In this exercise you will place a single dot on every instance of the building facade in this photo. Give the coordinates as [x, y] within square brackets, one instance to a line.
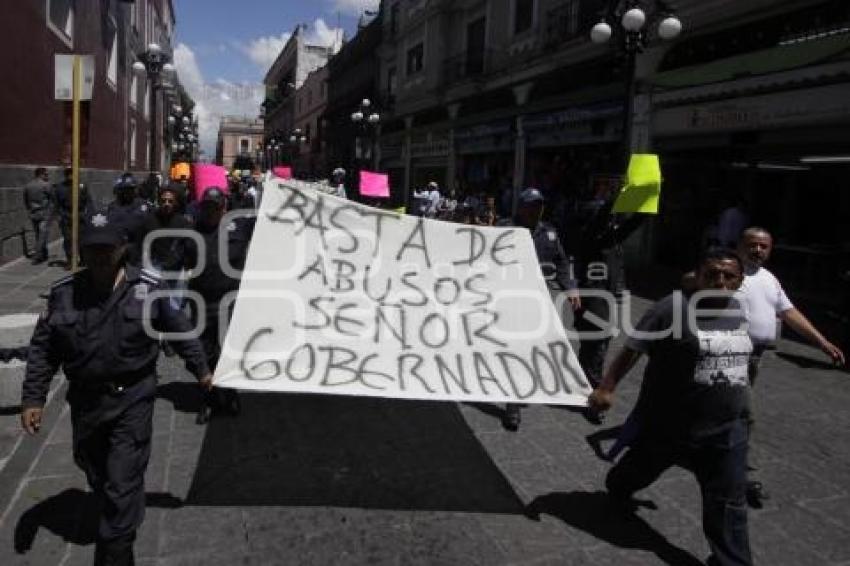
[311, 100]
[115, 128]
[353, 76]
[240, 143]
[286, 76]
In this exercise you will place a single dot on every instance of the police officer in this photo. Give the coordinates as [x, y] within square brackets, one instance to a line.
[213, 284]
[598, 250]
[93, 328]
[553, 262]
[130, 212]
[63, 197]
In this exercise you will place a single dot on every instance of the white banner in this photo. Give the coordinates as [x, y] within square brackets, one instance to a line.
[346, 299]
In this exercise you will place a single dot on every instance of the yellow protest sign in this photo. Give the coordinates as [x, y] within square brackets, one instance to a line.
[643, 186]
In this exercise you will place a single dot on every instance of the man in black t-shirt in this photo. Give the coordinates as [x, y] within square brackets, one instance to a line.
[694, 402]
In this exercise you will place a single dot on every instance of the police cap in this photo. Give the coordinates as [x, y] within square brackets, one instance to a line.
[214, 195]
[100, 231]
[531, 196]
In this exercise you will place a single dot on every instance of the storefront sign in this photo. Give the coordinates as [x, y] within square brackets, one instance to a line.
[787, 109]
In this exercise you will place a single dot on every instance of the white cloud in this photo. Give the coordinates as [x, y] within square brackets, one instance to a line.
[215, 99]
[355, 7]
[322, 34]
[264, 50]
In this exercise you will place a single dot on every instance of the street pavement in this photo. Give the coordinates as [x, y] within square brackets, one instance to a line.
[332, 480]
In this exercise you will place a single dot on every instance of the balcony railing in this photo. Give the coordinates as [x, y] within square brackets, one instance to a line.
[565, 23]
[468, 65]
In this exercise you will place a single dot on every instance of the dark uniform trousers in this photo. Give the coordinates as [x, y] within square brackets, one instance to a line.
[719, 464]
[592, 351]
[112, 445]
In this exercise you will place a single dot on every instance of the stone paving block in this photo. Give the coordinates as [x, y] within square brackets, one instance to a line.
[822, 538]
[57, 460]
[520, 538]
[189, 529]
[506, 446]
[834, 510]
[788, 484]
[772, 545]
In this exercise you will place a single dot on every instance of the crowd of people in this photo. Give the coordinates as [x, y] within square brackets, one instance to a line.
[693, 409]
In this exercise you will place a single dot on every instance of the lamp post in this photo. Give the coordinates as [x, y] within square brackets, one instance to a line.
[184, 134]
[153, 63]
[631, 32]
[296, 139]
[366, 120]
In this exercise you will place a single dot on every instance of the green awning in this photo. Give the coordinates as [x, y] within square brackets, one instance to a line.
[763, 62]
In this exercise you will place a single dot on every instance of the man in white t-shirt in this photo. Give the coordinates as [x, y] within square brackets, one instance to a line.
[434, 199]
[764, 300]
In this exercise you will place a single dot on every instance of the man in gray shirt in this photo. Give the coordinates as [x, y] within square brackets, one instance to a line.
[37, 202]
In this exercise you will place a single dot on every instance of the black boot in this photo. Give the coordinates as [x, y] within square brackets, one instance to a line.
[512, 417]
[115, 552]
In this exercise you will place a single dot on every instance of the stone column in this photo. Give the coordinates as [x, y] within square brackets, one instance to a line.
[521, 94]
[451, 158]
[408, 142]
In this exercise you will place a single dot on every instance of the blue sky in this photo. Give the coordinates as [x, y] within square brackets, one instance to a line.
[223, 49]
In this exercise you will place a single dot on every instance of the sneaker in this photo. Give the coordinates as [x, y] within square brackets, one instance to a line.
[756, 494]
[511, 418]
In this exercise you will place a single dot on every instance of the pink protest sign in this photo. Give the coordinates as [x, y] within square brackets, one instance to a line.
[374, 184]
[205, 175]
[284, 172]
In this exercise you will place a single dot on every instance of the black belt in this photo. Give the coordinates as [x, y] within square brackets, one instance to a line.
[114, 386]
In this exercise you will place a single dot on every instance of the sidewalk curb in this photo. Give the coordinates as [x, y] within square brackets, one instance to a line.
[27, 451]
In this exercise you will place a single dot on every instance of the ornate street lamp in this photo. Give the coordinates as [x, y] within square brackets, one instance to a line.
[155, 64]
[631, 27]
[366, 121]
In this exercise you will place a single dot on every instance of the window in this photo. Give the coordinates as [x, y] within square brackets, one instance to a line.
[523, 15]
[415, 59]
[132, 143]
[134, 16]
[394, 13]
[392, 82]
[244, 146]
[112, 64]
[322, 90]
[134, 92]
[476, 37]
[147, 100]
[60, 18]
[310, 98]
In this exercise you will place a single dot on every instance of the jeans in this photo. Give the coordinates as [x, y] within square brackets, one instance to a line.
[41, 228]
[65, 228]
[719, 464]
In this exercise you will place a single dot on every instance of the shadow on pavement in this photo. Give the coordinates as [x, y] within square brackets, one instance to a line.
[73, 516]
[489, 409]
[320, 450]
[9, 410]
[806, 362]
[595, 514]
[185, 396]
